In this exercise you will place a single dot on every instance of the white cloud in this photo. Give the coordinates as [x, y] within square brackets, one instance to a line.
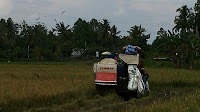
[119, 12]
[33, 16]
[68, 3]
[153, 6]
[6, 6]
[120, 7]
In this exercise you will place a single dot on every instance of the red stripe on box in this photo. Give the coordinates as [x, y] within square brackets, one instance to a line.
[106, 76]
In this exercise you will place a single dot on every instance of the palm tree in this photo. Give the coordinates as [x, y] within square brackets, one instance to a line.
[184, 20]
[138, 36]
[3, 30]
[27, 34]
[10, 34]
[104, 33]
[114, 37]
[64, 32]
[197, 17]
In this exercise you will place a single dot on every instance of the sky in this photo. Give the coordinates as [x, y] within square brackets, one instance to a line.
[150, 14]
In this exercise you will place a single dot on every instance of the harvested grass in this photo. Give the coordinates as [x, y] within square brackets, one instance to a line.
[70, 87]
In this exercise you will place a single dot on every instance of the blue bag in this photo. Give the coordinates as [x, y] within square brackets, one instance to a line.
[130, 50]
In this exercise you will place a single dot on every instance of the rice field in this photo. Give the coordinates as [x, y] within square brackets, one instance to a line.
[69, 87]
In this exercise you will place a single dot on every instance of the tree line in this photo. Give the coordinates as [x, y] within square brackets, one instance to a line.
[182, 43]
[23, 42]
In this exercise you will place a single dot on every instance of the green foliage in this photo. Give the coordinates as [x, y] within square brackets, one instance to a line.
[66, 48]
[36, 43]
[184, 21]
[158, 64]
[182, 43]
[138, 37]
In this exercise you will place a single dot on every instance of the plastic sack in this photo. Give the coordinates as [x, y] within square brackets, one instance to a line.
[135, 79]
[141, 85]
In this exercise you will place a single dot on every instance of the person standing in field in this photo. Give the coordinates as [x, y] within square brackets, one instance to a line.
[129, 49]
